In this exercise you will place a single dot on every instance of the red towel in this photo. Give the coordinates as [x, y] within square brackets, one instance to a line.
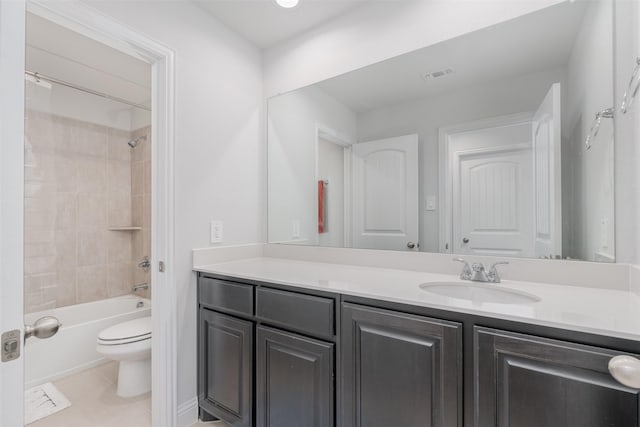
[321, 202]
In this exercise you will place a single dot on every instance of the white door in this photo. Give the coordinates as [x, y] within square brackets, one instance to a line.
[548, 176]
[492, 187]
[493, 205]
[385, 193]
[12, 45]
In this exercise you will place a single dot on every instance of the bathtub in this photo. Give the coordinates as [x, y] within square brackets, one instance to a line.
[73, 348]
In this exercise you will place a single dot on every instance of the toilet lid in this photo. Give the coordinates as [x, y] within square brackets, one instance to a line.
[136, 329]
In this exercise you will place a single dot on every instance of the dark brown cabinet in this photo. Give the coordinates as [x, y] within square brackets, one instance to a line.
[400, 369]
[274, 356]
[527, 381]
[295, 380]
[225, 360]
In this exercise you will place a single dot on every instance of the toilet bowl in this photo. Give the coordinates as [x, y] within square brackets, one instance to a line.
[129, 343]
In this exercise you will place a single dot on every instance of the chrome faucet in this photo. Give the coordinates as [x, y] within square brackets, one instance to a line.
[477, 273]
[140, 286]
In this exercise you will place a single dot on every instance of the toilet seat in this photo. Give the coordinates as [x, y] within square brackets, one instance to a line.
[128, 332]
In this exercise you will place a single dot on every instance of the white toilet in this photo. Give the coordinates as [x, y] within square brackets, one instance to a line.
[130, 344]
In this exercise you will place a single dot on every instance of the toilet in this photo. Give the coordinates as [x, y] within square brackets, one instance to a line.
[129, 343]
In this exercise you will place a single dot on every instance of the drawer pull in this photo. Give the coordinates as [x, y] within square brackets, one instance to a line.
[626, 370]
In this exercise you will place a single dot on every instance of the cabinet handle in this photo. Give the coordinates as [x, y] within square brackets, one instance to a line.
[626, 370]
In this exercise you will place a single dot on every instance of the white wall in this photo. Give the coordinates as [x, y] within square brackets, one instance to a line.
[627, 131]
[426, 116]
[589, 190]
[219, 166]
[377, 31]
[292, 128]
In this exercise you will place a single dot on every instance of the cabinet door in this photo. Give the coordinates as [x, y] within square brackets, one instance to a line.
[225, 374]
[526, 381]
[295, 380]
[400, 370]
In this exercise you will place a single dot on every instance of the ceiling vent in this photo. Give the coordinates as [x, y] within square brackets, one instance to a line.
[437, 74]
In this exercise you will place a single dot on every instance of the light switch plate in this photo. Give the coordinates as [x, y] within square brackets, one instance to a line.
[295, 232]
[217, 231]
[431, 203]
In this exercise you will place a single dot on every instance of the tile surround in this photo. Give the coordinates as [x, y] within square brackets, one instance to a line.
[79, 180]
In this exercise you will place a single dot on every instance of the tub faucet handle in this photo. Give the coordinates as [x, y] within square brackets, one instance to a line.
[145, 264]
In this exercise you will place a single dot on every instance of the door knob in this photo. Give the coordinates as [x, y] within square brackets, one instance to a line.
[465, 240]
[411, 245]
[626, 370]
[45, 327]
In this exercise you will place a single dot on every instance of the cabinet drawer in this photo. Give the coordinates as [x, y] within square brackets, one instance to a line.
[225, 296]
[305, 313]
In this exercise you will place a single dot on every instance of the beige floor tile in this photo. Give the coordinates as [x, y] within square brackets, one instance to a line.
[109, 371]
[95, 404]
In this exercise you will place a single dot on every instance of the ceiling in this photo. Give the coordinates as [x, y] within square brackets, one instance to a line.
[264, 23]
[56, 51]
[535, 42]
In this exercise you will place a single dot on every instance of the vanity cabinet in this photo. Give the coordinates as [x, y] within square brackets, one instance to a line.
[281, 356]
[527, 381]
[225, 362]
[400, 369]
[266, 355]
[295, 380]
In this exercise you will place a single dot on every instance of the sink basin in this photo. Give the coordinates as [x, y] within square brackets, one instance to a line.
[485, 293]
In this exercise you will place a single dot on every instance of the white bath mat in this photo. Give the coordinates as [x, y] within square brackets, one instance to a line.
[43, 400]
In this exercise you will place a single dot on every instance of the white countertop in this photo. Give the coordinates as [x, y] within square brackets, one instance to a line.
[599, 311]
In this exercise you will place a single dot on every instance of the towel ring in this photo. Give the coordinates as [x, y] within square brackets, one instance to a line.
[632, 89]
[595, 126]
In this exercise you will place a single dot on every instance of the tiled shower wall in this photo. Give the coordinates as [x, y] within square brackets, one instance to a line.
[78, 184]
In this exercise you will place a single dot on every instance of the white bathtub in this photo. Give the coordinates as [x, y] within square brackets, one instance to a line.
[73, 348]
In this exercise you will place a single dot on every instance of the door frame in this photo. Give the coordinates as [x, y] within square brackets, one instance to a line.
[91, 23]
[446, 168]
[12, 54]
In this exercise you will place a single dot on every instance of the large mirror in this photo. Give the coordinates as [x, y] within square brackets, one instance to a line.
[499, 142]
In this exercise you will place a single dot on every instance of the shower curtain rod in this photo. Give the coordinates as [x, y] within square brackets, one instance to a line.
[39, 76]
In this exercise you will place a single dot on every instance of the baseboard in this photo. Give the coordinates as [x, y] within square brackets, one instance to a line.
[188, 413]
[66, 373]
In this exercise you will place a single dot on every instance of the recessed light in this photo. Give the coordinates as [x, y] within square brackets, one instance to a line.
[287, 4]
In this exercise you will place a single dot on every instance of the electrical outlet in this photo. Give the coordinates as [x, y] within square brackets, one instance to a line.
[295, 234]
[217, 230]
[431, 203]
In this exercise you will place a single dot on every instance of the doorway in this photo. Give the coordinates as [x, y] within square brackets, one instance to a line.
[104, 170]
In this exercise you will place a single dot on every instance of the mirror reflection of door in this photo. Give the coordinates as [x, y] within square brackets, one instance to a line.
[548, 175]
[505, 183]
[492, 191]
[385, 189]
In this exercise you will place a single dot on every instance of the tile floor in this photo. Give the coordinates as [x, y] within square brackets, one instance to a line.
[94, 402]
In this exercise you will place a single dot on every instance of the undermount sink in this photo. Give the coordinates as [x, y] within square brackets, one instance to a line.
[486, 293]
